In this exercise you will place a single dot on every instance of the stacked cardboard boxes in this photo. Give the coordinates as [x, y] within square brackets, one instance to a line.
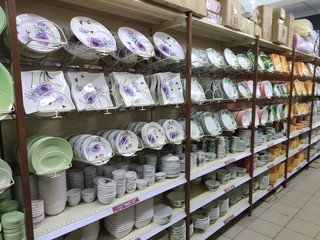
[231, 13]
[279, 30]
[213, 12]
[266, 14]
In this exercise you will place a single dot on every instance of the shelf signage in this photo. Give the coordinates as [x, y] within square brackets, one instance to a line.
[229, 161]
[270, 188]
[298, 168]
[229, 219]
[125, 205]
[271, 165]
[229, 188]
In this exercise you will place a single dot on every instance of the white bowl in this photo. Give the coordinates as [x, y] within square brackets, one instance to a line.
[161, 176]
[74, 192]
[176, 198]
[74, 201]
[162, 213]
[142, 184]
[55, 209]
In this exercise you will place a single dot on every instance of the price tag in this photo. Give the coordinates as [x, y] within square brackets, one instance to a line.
[270, 188]
[125, 205]
[229, 188]
[301, 132]
[270, 166]
[229, 219]
[138, 238]
[229, 161]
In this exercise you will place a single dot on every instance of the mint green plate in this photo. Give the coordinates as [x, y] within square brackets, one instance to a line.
[3, 20]
[8, 206]
[12, 219]
[5, 178]
[6, 86]
[52, 161]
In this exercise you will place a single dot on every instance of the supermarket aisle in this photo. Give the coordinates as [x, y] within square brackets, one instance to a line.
[294, 215]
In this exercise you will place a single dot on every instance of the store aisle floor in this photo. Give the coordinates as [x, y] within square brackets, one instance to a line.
[294, 215]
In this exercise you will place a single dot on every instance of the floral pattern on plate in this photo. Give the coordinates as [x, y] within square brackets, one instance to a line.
[168, 46]
[243, 90]
[230, 58]
[89, 90]
[173, 130]
[133, 89]
[210, 124]
[95, 148]
[197, 93]
[171, 88]
[127, 143]
[45, 91]
[227, 120]
[153, 135]
[136, 42]
[229, 88]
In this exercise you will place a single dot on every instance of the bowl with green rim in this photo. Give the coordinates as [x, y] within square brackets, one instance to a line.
[6, 87]
[8, 206]
[17, 229]
[6, 175]
[58, 155]
[176, 198]
[11, 220]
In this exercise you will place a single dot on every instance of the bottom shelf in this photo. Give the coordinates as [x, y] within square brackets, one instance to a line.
[261, 193]
[233, 211]
[301, 165]
[148, 231]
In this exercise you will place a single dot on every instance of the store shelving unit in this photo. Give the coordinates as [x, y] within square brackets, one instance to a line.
[150, 17]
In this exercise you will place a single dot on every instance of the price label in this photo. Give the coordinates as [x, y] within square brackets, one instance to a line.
[301, 132]
[270, 145]
[270, 166]
[138, 238]
[270, 188]
[229, 161]
[229, 188]
[229, 219]
[125, 205]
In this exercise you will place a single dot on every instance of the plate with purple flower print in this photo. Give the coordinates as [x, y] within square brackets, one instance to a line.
[95, 148]
[174, 131]
[168, 46]
[122, 54]
[127, 143]
[93, 34]
[89, 91]
[153, 135]
[45, 91]
[136, 42]
[170, 88]
[31, 26]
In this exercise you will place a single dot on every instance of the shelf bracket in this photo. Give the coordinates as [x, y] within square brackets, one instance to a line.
[239, 43]
[165, 25]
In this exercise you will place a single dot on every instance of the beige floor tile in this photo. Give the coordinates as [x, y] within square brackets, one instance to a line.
[303, 227]
[308, 217]
[317, 193]
[275, 217]
[266, 205]
[267, 228]
[315, 199]
[295, 193]
[287, 234]
[291, 201]
[215, 237]
[284, 209]
[257, 211]
[318, 236]
[233, 231]
[246, 220]
[252, 235]
[307, 186]
[312, 207]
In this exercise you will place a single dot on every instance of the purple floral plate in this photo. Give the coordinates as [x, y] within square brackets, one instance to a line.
[168, 46]
[153, 135]
[95, 148]
[174, 131]
[127, 143]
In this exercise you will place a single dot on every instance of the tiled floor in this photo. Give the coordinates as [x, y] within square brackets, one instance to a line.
[294, 215]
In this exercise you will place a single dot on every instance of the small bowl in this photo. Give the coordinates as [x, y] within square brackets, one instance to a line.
[212, 185]
[88, 195]
[74, 201]
[176, 198]
[142, 184]
[162, 213]
[241, 171]
[73, 192]
[160, 176]
[211, 156]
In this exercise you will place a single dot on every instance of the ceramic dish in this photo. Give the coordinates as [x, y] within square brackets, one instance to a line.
[229, 88]
[227, 120]
[3, 20]
[243, 90]
[6, 175]
[7, 92]
[170, 88]
[168, 46]
[266, 61]
[250, 55]
[197, 93]
[153, 135]
[210, 124]
[231, 58]
[174, 131]
[244, 62]
[127, 143]
[214, 58]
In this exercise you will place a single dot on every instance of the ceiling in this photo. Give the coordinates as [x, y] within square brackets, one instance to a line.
[300, 8]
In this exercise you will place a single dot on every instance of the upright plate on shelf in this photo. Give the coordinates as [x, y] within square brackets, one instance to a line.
[231, 58]
[95, 148]
[6, 87]
[3, 20]
[153, 135]
[168, 46]
[5, 178]
[136, 42]
[244, 91]
[173, 130]
[197, 93]
[229, 88]
[250, 55]
[244, 62]
[93, 34]
[214, 57]
[227, 120]
[170, 88]
[210, 124]
[127, 143]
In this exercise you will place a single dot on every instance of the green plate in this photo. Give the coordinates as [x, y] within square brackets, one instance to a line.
[30, 150]
[8, 206]
[52, 161]
[12, 219]
[227, 120]
[6, 86]
[5, 178]
[243, 90]
[3, 20]
[6, 195]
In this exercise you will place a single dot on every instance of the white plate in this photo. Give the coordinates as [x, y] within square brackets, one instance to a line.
[174, 131]
[127, 143]
[171, 88]
[168, 46]
[214, 57]
[153, 135]
[95, 148]
[231, 58]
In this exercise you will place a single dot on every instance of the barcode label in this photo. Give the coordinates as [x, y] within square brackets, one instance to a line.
[125, 205]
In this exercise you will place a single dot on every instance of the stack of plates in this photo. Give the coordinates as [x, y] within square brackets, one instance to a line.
[149, 172]
[5, 196]
[5, 176]
[201, 220]
[173, 130]
[37, 212]
[108, 169]
[54, 193]
[8, 206]
[89, 174]
[91, 231]
[106, 190]
[13, 225]
[171, 165]
[153, 135]
[119, 176]
[120, 223]
[178, 231]
[143, 213]
[17, 187]
[76, 178]
[163, 235]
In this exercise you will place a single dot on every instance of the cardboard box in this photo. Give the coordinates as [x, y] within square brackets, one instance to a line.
[231, 13]
[279, 33]
[175, 4]
[288, 22]
[247, 26]
[199, 8]
[267, 33]
[265, 14]
[257, 30]
[279, 13]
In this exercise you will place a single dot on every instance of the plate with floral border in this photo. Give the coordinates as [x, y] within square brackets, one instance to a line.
[153, 135]
[229, 88]
[174, 131]
[171, 88]
[210, 124]
[168, 46]
[127, 143]
[244, 91]
[227, 120]
[136, 42]
[96, 148]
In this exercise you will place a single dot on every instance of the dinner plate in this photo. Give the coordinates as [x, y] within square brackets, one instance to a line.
[210, 124]
[173, 130]
[231, 58]
[227, 120]
[5, 178]
[197, 93]
[127, 143]
[243, 90]
[153, 135]
[168, 46]
[229, 88]
[214, 57]
[6, 87]
[244, 62]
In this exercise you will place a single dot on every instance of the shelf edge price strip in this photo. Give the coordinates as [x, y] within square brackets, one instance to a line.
[229, 161]
[229, 188]
[228, 219]
[270, 166]
[125, 205]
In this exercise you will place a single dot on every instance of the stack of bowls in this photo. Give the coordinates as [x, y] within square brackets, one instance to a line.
[6, 195]
[151, 159]
[162, 213]
[120, 223]
[176, 198]
[142, 184]
[91, 231]
[108, 169]
[201, 220]
[106, 190]
[163, 235]
[76, 178]
[171, 165]
[17, 187]
[119, 176]
[89, 174]
[178, 230]
[8, 206]
[13, 225]
[74, 196]
[131, 181]
[37, 212]
[149, 172]
[89, 195]
[143, 213]
[54, 193]
[213, 209]
[95, 181]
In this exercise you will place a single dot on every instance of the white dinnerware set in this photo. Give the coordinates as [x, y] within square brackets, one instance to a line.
[37, 212]
[106, 190]
[143, 213]
[17, 189]
[119, 176]
[90, 231]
